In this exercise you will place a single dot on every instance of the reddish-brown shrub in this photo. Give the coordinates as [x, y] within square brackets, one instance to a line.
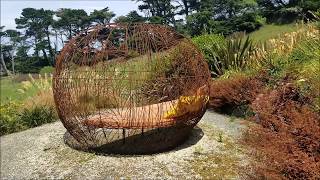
[287, 135]
[234, 91]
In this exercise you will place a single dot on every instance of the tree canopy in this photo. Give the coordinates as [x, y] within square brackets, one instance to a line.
[41, 33]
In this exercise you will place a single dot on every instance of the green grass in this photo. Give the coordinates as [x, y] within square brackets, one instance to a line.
[9, 90]
[269, 31]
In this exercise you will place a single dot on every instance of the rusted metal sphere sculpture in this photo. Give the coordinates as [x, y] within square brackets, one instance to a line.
[129, 88]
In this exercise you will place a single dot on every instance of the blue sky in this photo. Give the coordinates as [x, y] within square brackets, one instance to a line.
[11, 9]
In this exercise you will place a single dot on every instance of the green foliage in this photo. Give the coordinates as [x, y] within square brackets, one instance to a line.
[248, 22]
[236, 53]
[162, 12]
[283, 11]
[223, 55]
[131, 17]
[309, 49]
[9, 118]
[189, 17]
[101, 16]
[209, 46]
[30, 64]
[71, 20]
[157, 20]
[306, 58]
[224, 17]
[34, 96]
[36, 23]
[200, 23]
[46, 70]
[37, 116]
[300, 65]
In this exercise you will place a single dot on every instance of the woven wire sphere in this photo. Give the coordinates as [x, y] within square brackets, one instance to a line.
[129, 88]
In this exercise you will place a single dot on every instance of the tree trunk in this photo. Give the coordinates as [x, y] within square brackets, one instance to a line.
[12, 63]
[3, 64]
[70, 32]
[186, 7]
[45, 54]
[36, 45]
[50, 48]
[61, 38]
[55, 47]
[56, 42]
[151, 9]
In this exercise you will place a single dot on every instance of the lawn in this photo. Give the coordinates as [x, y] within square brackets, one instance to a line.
[272, 31]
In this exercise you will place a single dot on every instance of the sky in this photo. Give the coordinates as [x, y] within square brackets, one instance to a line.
[11, 9]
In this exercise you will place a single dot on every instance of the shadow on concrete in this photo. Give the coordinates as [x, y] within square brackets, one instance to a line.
[148, 142]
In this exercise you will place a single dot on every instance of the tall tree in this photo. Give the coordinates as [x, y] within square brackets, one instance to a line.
[285, 11]
[102, 16]
[13, 41]
[37, 23]
[159, 9]
[200, 23]
[72, 21]
[186, 7]
[224, 16]
[3, 66]
[131, 17]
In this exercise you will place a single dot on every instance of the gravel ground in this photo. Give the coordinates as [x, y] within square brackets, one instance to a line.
[210, 153]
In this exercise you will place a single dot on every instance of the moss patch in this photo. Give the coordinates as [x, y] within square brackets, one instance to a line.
[218, 165]
[71, 156]
[224, 162]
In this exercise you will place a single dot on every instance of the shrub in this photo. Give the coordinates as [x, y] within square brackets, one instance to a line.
[306, 57]
[203, 22]
[287, 135]
[234, 93]
[30, 64]
[301, 67]
[225, 54]
[9, 121]
[309, 82]
[209, 45]
[248, 22]
[283, 101]
[37, 115]
[237, 52]
[46, 70]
